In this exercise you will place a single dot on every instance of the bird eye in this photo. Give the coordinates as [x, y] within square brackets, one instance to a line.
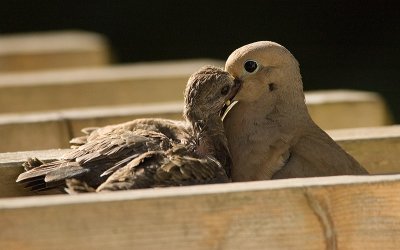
[225, 90]
[250, 66]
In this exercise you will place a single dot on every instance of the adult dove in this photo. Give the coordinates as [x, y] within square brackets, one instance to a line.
[270, 132]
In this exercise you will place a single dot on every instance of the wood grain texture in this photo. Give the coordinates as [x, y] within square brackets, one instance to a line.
[357, 212]
[33, 132]
[335, 109]
[15, 129]
[375, 148]
[94, 87]
[103, 116]
[52, 50]
[55, 129]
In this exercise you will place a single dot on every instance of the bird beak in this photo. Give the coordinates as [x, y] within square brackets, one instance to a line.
[229, 103]
[234, 90]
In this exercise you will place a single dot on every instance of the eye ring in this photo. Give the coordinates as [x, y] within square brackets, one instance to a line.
[225, 90]
[250, 66]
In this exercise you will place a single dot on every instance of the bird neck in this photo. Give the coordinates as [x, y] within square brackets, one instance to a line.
[211, 139]
[291, 109]
[287, 106]
[280, 112]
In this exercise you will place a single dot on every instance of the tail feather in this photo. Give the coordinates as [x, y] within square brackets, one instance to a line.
[65, 172]
[38, 187]
[42, 176]
[28, 180]
[33, 173]
[34, 183]
[50, 170]
[42, 186]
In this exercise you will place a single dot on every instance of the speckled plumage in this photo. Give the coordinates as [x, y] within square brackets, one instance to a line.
[148, 152]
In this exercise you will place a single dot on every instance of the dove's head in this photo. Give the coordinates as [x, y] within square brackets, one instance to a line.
[269, 74]
[208, 91]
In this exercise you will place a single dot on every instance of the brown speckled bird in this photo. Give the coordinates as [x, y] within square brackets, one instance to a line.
[270, 133]
[149, 152]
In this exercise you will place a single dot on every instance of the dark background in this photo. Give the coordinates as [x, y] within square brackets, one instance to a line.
[339, 44]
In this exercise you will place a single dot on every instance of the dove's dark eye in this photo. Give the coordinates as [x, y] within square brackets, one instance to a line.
[250, 66]
[225, 90]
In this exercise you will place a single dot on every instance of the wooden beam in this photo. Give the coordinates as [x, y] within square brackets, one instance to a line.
[55, 129]
[99, 117]
[15, 129]
[335, 109]
[114, 85]
[51, 50]
[375, 148]
[346, 212]
[33, 132]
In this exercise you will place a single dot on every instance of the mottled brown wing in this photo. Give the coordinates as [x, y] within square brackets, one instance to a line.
[175, 130]
[182, 170]
[89, 161]
[175, 167]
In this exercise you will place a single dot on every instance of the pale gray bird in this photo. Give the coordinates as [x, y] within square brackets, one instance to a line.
[150, 152]
[269, 130]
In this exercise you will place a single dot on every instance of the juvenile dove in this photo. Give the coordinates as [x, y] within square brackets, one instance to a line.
[270, 133]
[150, 152]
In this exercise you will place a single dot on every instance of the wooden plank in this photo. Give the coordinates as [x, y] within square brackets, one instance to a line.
[16, 128]
[358, 212]
[375, 148]
[33, 132]
[334, 109]
[99, 117]
[55, 129]
[51, 50]
[114, 85]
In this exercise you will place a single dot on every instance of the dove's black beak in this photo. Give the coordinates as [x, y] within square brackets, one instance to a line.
[229, 103]
[235, 89]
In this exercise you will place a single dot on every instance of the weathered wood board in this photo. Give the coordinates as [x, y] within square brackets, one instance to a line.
[45, 130]
[53, 129]
[102, 86]
[334, 109]
[346, 212]
[377, 149]
[52, 50]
